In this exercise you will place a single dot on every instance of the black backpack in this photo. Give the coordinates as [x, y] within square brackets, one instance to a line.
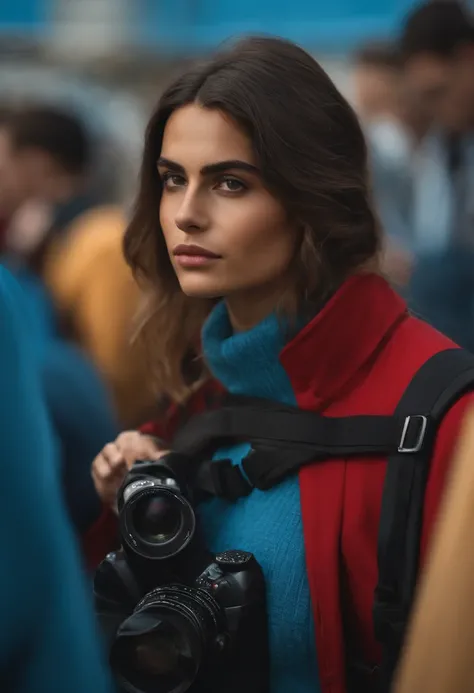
[285, 438]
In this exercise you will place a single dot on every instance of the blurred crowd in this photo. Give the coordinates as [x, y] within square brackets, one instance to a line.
[61, 232]
[62, 238]
[416, 100]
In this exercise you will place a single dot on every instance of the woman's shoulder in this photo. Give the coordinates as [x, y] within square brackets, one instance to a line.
[380, 383]
[411, 347]
[413, 343]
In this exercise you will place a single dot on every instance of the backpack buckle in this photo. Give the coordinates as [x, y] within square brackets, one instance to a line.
[418, 435]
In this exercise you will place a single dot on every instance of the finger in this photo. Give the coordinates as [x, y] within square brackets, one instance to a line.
[151, 449]
[113, 455]
[141, 448]
[118, 474]
[101, 468]
[105, 472]
[131, 456]
[127, 439]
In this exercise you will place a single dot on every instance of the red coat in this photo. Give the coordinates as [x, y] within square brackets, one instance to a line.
[356, 357]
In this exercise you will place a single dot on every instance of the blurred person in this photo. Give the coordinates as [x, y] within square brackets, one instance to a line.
[394, 125]
[47, 636]
[80, 408]
[253, 227]
[437, 44]
[377, 80]
[9, 197]
[45, 156]
[383, 95]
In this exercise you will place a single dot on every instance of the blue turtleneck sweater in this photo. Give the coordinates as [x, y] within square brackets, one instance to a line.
[267, 523]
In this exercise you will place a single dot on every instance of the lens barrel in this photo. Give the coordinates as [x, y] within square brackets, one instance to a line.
[160, 647]
[156, 520]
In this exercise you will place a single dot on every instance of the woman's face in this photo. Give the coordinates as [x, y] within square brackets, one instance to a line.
[226, 235]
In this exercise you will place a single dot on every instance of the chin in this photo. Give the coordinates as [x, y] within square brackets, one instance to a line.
[199, 287]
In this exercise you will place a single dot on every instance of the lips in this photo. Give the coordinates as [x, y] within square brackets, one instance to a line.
[193, 251]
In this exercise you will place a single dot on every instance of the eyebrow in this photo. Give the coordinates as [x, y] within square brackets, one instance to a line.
[209, 169]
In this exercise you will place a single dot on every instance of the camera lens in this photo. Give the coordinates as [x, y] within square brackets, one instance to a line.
[161, 645]
[158, 654]
[156, 522]
[156, 519]
[166, 658]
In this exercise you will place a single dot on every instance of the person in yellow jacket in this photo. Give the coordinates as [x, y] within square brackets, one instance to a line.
[93, 288]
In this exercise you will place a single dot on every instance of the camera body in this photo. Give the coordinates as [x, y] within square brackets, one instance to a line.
[175, 616]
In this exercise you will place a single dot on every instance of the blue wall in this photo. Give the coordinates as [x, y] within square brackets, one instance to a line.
[25, 16]
[189, 26]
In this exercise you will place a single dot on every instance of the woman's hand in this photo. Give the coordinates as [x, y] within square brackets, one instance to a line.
[111, 465]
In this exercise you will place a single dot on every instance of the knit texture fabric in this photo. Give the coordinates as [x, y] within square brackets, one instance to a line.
[266, 523]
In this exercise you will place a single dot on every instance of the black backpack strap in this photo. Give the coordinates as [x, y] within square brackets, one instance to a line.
[292, 427]
[283, 439]
[438, 384]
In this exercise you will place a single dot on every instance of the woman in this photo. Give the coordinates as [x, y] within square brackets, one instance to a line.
[253, 226]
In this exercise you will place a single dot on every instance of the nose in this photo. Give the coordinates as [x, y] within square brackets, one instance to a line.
[192, 216]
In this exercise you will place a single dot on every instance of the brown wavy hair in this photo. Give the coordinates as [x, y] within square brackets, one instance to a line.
[313, 158]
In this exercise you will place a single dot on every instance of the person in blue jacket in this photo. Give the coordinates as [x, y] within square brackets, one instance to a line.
[79, 406]
[48, 638]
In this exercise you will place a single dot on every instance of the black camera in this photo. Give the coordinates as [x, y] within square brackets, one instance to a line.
[175, 616]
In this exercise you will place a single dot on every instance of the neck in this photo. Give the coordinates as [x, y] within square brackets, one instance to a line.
[248, 308]
[247, 362]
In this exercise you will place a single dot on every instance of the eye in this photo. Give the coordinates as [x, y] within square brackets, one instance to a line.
[172, 180]
[231, 185]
